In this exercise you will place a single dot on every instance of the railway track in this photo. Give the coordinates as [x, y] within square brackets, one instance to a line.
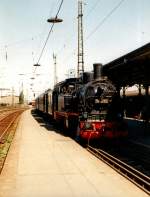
[140, 152]
[135, 155]
[135, 176]
[6, 120]
[8, 124]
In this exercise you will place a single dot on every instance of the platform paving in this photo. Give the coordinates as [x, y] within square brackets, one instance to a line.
[43, 163]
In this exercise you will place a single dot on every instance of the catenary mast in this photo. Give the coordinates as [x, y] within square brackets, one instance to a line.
[80, 68]
[55, 69]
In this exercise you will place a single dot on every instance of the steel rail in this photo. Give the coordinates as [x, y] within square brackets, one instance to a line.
[135, 176]
[7, 121]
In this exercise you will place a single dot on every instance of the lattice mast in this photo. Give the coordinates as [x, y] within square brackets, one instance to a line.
[55, 69]
[80, 68]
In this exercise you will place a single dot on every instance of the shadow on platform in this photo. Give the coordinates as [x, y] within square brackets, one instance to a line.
[47, 122]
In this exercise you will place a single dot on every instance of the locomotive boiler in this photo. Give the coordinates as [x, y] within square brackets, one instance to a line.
[89, 107]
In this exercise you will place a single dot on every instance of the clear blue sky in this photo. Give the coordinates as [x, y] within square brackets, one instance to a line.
[24, 30]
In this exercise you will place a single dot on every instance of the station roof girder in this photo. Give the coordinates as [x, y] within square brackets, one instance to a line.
[132, 68]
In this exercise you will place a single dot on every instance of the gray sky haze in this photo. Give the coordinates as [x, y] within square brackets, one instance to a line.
[112, 28]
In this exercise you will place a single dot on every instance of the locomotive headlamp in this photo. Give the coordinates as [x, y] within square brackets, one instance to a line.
[85, 115]
[88, 125]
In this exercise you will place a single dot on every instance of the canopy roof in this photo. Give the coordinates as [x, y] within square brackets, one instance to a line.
[132, 68]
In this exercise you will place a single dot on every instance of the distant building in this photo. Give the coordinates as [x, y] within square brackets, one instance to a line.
[9, 100]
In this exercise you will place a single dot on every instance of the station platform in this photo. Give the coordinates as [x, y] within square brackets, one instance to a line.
[44, 163]
[139, 132]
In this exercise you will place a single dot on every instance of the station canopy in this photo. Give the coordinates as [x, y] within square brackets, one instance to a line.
[132, 68]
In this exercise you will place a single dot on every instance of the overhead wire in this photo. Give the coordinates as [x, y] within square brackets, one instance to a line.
[92, 8]
[105, 18]
[49, 33]
[88, 14]
[52, 7]
[68, 42]
[99, 25]
[44, 29]
[2, 48]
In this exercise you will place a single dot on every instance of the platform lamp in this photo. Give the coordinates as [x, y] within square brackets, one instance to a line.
[54, 20]
[37, 65]
[50, 20]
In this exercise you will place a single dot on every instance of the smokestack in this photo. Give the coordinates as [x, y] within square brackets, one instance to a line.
[97, 67]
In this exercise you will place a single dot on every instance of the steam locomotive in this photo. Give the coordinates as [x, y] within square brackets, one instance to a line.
[88, 108]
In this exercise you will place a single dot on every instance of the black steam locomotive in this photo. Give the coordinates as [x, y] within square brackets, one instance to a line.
[87, 107]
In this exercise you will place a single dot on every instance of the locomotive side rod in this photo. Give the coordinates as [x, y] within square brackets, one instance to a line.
[136, 177]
